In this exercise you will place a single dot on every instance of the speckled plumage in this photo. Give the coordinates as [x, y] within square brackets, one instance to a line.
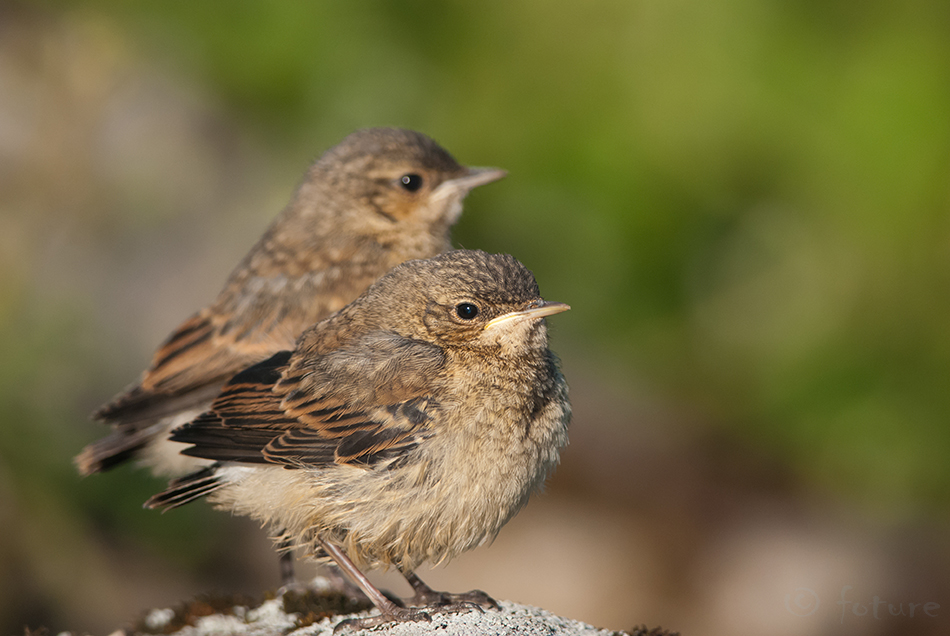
[397, 429]
[349, 222]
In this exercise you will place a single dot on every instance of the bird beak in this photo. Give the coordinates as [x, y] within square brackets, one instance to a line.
[472, 178]
[539, 309]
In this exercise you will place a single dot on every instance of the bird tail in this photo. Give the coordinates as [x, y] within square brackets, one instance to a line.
[111, 451]
[188, 488]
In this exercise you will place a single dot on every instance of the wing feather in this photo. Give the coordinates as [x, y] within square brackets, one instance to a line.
[359, 405]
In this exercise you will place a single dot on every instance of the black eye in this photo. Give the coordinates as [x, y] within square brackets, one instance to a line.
[466, 311]
[411, 182]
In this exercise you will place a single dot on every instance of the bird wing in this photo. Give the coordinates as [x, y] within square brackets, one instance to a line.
[186, 373]
[254, 317]
[188, 370]
[260, 312]
[359, 404]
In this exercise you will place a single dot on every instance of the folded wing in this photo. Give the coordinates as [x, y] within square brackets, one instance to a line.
[359, 404]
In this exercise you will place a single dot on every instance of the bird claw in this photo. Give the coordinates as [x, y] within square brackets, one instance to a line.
[398, 615]
[456, 607]
[477, 597]
[447, 601]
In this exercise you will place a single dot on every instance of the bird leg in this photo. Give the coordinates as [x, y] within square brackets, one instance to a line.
[338, 582]
[285, 552]
[389, 611]
[425, 596]
[285, 555]
[343, 585]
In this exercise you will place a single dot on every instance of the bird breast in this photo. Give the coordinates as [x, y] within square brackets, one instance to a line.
[487, 451]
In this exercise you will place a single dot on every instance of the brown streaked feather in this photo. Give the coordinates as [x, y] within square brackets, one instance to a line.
[112, 450]
[363, 440]
[241, 329]
[186, 361]
[193, 332]
[196, 357]
[186, 489]
[137, 408]
[356, 405]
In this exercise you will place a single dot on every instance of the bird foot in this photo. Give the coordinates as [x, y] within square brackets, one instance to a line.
[396, 615]
[448, 602]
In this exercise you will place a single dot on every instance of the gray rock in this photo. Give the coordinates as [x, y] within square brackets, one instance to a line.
[270, 619]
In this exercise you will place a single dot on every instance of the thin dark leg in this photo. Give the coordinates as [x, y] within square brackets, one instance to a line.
[389, 611]
[425, 596]
[288, 582]
[285, 553]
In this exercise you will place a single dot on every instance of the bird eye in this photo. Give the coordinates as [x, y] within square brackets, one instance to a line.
[466, 311]
[410, 182]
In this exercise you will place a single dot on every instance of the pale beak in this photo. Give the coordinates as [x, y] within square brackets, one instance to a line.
[472, 178]
[540, 310]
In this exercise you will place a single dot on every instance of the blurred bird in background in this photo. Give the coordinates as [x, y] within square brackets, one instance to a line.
[380, 197]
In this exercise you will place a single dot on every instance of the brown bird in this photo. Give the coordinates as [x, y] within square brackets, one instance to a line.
[380, 197]
[408, 427]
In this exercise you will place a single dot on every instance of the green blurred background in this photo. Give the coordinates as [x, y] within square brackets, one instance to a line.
[745, 202]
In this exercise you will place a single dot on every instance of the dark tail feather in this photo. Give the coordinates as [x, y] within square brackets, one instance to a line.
[112, 450]
[187, 489]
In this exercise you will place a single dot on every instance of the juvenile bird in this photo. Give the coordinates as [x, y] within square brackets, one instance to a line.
[380, 197]
[408, 427]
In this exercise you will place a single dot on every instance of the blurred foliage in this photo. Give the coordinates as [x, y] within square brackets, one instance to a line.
[745, 202]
